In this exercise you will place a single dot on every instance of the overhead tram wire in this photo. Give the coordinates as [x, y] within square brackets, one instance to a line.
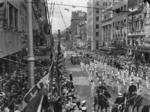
[102, 7]
[10, 60]
[50, 11]
[78, 6]
[52, 15]
[62, 17]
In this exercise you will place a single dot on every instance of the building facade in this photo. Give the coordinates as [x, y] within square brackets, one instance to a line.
[136, 24]
[78, 26]
[77, 18]
[81, 30]
[120, 21]
[94, 25]
[139, 28]
[13, 26]
[107, 23]
[14, 33]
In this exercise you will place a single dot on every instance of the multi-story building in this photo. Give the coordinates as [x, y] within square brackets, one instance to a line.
[107, 23]
[120, 21]
[81, 31]
[139, 27]
[136, 23]
[77, 18]
[13, 29]
[13, 33]
[78, 23]
[94, 29]
[89, 23]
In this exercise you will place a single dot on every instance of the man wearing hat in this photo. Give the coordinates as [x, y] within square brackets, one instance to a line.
[132, 88]
[119, 100]
[83, 106]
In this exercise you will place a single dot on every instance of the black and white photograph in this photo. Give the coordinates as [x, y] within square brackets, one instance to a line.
[74, 55]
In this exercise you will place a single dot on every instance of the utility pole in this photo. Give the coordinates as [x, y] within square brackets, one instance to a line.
[31, 58]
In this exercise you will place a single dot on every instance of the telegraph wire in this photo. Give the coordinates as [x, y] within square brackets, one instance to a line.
[10, 60]
[62, 16]
[74, 6]
[13, 61]
[48, 13]
[52, 13]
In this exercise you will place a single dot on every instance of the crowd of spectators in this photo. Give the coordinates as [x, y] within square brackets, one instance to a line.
[14, 86]
[72, 102]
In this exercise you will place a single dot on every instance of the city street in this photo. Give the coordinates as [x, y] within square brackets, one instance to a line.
[81, 83]
[74, 55]
[83, 87]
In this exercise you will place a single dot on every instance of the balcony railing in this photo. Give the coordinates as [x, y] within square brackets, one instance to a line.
[141, 33]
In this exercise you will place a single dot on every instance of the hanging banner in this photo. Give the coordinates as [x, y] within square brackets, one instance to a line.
[35, 89]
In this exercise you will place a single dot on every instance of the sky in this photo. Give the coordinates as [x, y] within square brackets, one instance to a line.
[57, 22]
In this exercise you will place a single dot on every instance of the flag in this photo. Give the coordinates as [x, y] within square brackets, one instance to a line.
[60, 60]
[52, 54]
[38, 103]
[59, 67]
[34, 91]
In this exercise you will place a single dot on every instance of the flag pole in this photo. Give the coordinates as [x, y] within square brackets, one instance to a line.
[31, 58]
[59, 77]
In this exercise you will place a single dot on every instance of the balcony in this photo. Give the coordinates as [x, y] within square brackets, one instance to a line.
[136, 34]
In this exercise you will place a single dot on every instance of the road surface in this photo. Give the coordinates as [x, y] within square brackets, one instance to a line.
[83, 87]
[81, 84]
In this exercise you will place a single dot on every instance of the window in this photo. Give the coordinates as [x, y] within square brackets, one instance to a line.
[113, 24]
[97, 18]
[97, 3]
[121, 9]
[97, 26]
[124, 34]
[119, 24]
[97, 10]
[16, 19]
[97, 44]
[125, 7]
[125, 22]
[122, 24]
[12, 16]
[97, 33]
[104, 3]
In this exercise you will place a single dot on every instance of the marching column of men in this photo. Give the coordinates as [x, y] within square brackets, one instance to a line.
[122, 77]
